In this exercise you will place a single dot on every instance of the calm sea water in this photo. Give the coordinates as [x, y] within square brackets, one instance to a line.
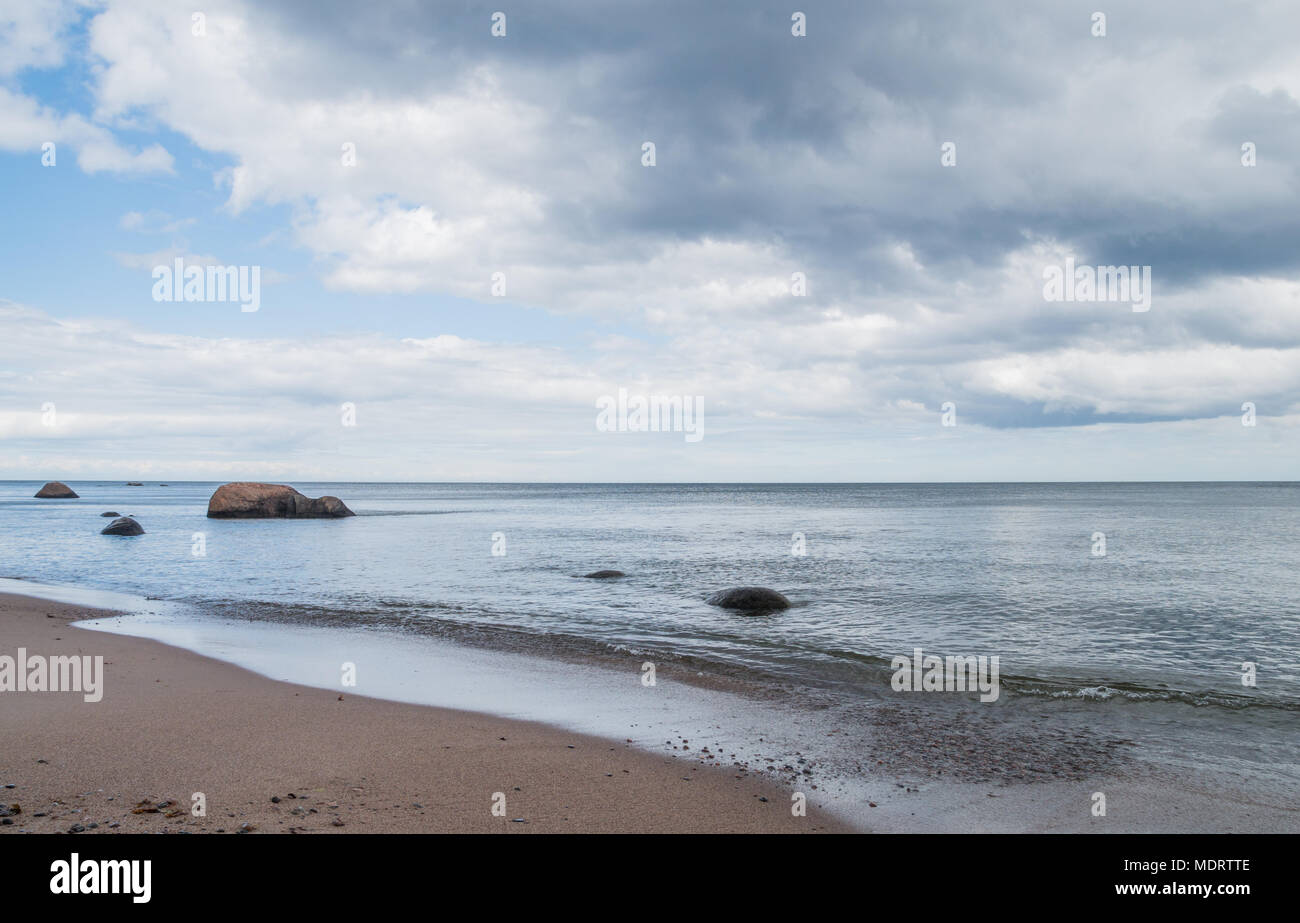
[1196, 578]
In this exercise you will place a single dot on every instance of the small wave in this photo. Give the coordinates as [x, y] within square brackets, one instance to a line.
[809, 667]
[361, 513]
[1096, 690]
[1106, 693]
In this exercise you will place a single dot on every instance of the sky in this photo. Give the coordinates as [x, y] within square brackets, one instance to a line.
[838, 254]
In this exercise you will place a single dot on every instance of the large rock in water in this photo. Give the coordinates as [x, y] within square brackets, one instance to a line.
[124, 526]
[56, 490]
[251, 500]
[749, 599]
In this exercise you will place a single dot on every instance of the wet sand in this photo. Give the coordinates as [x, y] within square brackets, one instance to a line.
[173, 723]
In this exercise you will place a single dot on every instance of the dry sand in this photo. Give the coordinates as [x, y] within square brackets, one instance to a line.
[172, 723]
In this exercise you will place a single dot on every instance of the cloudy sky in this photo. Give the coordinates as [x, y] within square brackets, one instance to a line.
[775, 154]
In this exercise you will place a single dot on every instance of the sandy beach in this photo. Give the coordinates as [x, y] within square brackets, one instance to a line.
[273, 757]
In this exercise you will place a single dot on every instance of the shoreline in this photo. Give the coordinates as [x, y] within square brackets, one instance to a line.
[173, 722]
[890, 771]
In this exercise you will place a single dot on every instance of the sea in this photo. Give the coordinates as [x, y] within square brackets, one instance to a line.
[1140, 629]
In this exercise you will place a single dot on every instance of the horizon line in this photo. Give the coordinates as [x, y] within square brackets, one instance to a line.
[155, 482]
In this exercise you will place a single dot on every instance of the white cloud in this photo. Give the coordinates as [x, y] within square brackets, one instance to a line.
[924, 283]
[31, 34]
[451, 407]
[25, 126]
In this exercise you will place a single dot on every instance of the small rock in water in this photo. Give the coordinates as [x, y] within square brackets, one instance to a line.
[124, 526]
[749, 599]
[112, 513]
[604, 575]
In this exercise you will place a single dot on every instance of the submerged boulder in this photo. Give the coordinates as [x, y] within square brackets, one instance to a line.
[253, 500]
[56, 490]
[604, 575]
[749, 599]
[124, 526]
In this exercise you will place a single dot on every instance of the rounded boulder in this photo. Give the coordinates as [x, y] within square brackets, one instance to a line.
[749, 599]
[56, 490]
[254, 500]
[124, 526]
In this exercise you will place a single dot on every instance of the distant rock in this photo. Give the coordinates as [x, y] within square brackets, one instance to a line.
[253, 500]
[749, 599]
[134, 484]
[56, 490]
[604, 575]
[114, 513]
[124, 526]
